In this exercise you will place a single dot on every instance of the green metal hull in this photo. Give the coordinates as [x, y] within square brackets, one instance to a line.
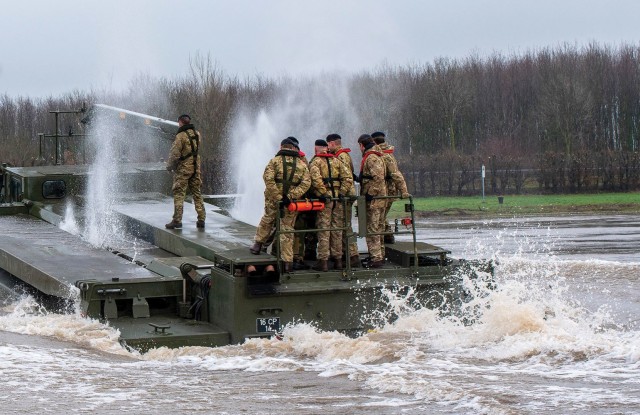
[193, 286]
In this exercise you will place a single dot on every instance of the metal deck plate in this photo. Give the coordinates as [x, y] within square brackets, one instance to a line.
[52, 260]
[221, 234]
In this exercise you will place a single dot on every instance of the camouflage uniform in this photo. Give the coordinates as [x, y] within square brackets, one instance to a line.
[343, 155]
[285, 175]
[304, 220]
[396, 184]
[372, 180]
[184, 161]
[330, 178]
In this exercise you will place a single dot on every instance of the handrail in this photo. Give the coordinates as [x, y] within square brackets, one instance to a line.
[349, 235]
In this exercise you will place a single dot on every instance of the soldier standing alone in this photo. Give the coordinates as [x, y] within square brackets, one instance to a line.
[372, 181]
[185, 163]
[286, 178]
[330, 179]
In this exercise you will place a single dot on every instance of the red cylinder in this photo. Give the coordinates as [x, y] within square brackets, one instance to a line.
[305, 206]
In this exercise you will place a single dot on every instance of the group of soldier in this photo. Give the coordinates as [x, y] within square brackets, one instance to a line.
[329, 178]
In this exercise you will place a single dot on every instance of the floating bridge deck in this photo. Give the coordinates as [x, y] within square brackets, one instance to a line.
[52, 260]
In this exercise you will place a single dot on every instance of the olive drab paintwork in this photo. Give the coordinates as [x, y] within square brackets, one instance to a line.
[184, 161]
[285, 175]
[330, 178]
[343, 155]
[373, 183]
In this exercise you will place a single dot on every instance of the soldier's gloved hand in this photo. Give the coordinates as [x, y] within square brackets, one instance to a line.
[368, 197]
[285, 200]
[406, 195]
[323, 199]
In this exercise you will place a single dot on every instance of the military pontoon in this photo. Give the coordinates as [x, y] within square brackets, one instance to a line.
[191, 286]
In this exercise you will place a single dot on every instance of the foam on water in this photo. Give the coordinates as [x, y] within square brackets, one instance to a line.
[26, 316]
[543, 338]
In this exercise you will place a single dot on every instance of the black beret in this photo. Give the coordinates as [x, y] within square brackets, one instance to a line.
[287, 141]
[333, 137]
[321, 143]
[185, 116]
[364, 138]
[377, 134]
[295, 140]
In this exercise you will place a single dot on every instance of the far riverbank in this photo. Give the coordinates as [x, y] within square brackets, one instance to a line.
[522, 205]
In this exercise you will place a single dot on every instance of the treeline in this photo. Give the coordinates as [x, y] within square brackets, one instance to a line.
[556, 120]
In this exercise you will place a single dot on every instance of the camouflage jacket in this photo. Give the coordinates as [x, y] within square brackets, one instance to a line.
[286, 174]
[343, 155]
[329, 176]
[183, 156]
[372, 176]
[396, 184]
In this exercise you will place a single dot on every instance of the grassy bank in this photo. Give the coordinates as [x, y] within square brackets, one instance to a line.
[523, 205]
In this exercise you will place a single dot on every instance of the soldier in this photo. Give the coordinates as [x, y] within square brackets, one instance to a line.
[330, 179]
[335, 147]
[286, 177]
[304, 244]
[185, 163]
[372, 181]
[396, 184]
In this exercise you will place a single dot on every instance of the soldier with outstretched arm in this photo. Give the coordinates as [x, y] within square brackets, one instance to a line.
[184, 162]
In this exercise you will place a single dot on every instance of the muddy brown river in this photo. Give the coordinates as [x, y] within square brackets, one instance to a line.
[560, 333]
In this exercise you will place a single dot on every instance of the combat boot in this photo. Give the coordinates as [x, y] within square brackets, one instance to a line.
[256, 248]
[354, 261]
[337, 264]
[200, 224]
[288, 267]
[321, 265]
[377, 264]
[173, 225]
[299, 265]
[390, 238]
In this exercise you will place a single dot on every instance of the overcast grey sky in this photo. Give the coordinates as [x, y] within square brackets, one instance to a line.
[50, 47]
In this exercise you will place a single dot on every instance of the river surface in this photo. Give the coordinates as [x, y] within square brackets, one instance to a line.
[560, 333]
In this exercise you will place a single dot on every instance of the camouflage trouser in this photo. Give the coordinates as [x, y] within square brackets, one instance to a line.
[181, 183]
[375, 224]
[385, 222]
[353, 246]
[302, 241]
[330, 242]
[267, 223]
[387, 226]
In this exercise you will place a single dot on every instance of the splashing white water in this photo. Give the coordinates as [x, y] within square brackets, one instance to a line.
[308, 110]
[542, 339]
[103, 186]
[69, 222]
[256, 149]
[26, 316]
